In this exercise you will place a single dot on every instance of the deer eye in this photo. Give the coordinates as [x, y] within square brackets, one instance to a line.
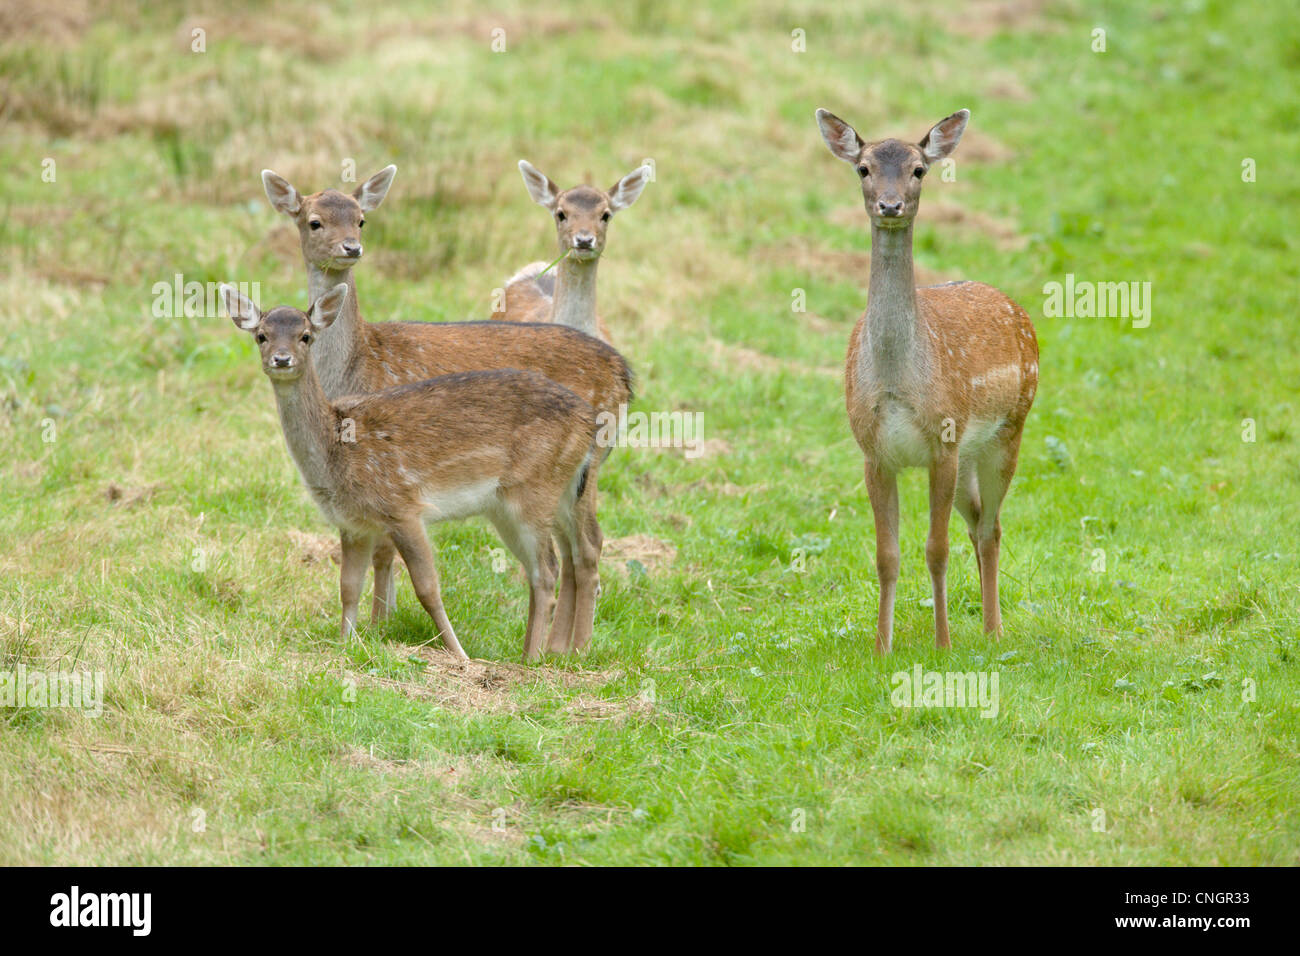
[306, 337]
[918, 172]
[361, 224]
[864, 172]
[605, 216]
[261, 339]
[315, 223]
[559, 216]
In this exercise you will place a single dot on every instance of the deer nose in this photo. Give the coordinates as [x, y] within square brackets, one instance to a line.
[584, 242]
[352, 248]
[889, 209]
[281, 360]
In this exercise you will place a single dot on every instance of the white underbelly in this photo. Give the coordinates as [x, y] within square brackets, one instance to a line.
[901, 443]
[448, 504]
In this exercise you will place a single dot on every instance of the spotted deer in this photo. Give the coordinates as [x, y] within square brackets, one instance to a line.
[511, 445]
[940, 377]
[566, 293]
[353, 356]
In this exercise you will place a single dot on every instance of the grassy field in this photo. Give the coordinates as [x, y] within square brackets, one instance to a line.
[731, 711]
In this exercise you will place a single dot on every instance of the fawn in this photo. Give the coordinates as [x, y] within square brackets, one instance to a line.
[940, 377]
[353, 356]
[513, 446]
[567, 295]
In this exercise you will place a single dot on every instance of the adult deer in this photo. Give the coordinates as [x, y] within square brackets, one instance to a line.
[353, 356]
[566, 294]
[940, 377]
[511, 445]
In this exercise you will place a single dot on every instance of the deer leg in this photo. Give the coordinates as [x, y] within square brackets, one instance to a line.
[352, 576]
[566, 535]
[541, 600]
[385, 599]
[413, 544]
[967, 501]
[576, 609]
[561, 632]
[882, 490]
[533, 549]
[994, 478]
[989, 544]
[590, 541]
[943, 486]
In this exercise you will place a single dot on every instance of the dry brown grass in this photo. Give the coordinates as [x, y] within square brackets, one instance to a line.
[654, 553]
[728, 357]
[61, 22]
[316, 548]
[840, 265]
[476, 686]
[981, 19]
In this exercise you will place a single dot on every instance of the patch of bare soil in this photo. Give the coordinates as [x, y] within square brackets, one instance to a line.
[316, 548]
[478, 686]
[654, 553]
[517, 27]
[732, 357]
[801, 254]
[1007, 86]
[819, 324]
[971, 221]
[283, 244]
[127, 495]
[709, 448]
[981, 19]
[980, 147]
[61, 274]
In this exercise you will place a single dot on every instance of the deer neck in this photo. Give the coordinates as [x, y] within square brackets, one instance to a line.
[894, 356]
[307, 420]
[335, 347]
[575, 295]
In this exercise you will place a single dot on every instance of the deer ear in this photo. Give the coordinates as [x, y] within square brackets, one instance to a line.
[326, 309]
[841, 138]
[544, 192]
[372, 192]
[284, 198]
[240, 307]
[627, 189]
[944, 136]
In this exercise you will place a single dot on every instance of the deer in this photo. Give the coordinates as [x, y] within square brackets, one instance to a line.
[510, 445]
[354, 356]
[567, 296]
[940, 377]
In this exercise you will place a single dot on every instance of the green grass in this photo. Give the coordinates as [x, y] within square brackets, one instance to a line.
[731, 710]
